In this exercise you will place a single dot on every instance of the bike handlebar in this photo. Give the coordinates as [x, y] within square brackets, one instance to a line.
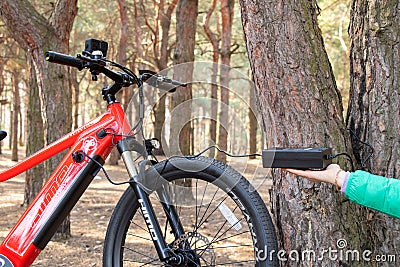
[81, 62]
[63, 59]
[123, 78]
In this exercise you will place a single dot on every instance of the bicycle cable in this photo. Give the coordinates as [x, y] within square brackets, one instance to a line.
[371, 152]
[126, 70]
[204, 151]
[332, 156]
[226, 153]
[166, 161]
[104, 170]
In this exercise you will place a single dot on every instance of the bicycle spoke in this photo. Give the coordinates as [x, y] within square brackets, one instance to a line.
[208, 206]
[235, 262]
[141, 227]
[203, 221]
[151, 262]
[225, 218]
[146, 263]
[202, 198]
[140, 253]
[222, 239]
[194, 262]
[232, 246]
[148, 239]
[208, 263]
[233, 225]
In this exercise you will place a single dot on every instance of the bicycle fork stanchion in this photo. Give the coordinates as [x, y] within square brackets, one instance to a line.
[164, 252]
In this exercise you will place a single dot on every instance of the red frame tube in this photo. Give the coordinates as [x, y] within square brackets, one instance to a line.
[18, 246]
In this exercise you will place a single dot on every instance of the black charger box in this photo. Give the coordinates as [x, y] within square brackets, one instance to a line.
[297, 158]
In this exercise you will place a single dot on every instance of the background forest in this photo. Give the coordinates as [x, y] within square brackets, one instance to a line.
[306, 90]
[307, 58]
[139, 36]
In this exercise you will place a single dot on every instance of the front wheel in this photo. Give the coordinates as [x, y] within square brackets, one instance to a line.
[225, 221]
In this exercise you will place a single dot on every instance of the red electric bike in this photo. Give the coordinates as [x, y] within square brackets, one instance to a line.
[160, 220]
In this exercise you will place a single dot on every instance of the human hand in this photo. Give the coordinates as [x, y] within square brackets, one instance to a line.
[332, 174]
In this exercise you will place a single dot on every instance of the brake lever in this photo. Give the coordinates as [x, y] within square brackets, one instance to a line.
[159, 81]
[95, 61]
[161, 78]
[165, 79]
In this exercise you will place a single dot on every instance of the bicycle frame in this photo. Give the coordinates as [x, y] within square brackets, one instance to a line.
[65, 186]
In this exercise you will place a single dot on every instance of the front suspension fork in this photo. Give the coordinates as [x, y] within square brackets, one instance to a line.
[163, 250]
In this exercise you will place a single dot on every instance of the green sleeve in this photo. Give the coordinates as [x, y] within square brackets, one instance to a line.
[376, 192]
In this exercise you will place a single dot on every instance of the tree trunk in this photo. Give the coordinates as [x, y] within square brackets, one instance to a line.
[2, 64]
[75, 96]
[162, 52]
[296, 86]
[252, 126]
[181, 108]
[16, 111]
[34, 177]
[123, 46]
[373, 113]
[214, 86]
[35, 141]
[227, 21]
[123, 35]
[181, 129]
[121, 56]
[36, 34]
[11, 126]
[137, 28]
[21, 137]
[164, 18]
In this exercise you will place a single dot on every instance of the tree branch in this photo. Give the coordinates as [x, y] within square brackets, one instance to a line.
[206, 26]
[27, 22]
[62, 18]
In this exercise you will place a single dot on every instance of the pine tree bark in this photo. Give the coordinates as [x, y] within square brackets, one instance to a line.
[181, 130]
[74, 84]
[373, 113]
[123, 45]
[35, 137]
[180, 141]
[36, 34]
[16, 111]
[121, 55]
[214, 86]
[164, 19]
[252, 127]
[162, 53]
[2, 64]
[227, 22]
[295, 84]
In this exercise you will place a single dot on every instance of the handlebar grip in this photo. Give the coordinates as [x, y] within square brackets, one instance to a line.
[63, 59]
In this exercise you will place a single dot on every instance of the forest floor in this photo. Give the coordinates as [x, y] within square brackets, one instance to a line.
[89, 218]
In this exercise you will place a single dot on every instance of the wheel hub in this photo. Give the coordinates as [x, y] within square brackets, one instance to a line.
[186, 255]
